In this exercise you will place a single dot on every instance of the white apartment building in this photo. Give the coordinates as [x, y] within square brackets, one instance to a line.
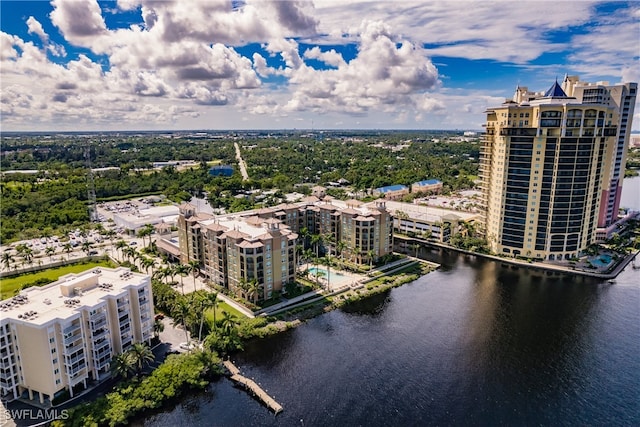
[63, 334]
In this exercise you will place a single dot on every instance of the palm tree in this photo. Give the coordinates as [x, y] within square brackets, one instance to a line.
[50, 250]
[147, 263]
[122, 365]
[7, 259]
[253, 286]
[308, 255]
[86, 247]
[181, 312]
[182, 270]
[315, 240]
[158, 327]
[27, 254]
[194, 268]
[141, 355]
[340, 247]
[357, 252]
[208, 302]
[228, 323]
[370, 255]
[120, 245]
[67, 248]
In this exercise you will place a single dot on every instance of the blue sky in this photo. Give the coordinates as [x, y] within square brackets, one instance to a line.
[261, 64]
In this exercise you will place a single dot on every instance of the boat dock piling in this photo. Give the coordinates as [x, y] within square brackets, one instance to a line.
[251, 385]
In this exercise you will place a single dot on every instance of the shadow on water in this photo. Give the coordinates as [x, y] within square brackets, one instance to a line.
[371, 306]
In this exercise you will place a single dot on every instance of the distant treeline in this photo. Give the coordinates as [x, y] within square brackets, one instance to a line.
[56, 197]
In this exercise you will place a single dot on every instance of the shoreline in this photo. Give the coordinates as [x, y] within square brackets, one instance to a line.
[533, 265]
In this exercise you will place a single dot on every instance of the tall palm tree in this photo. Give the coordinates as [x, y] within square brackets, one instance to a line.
[253, 286]
[67, 248]
[86, 247]
[7, 259]
[357, 252]
[308, 255]
[27, 254]
[182, 270]
[228, 323]
[370, 255]
[194, 269]
[122, 365]
[208, 302]
[120, 245]
[147, 263]
[50, 250]
[340, 247]
[158, 327]
[141, 355]
[181, 313]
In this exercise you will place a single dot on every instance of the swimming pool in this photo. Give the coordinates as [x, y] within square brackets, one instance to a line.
[335, 278]
[601, 261]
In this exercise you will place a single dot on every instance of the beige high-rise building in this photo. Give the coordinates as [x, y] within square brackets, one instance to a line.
[542, 165]
[622, 97]
[64, 334]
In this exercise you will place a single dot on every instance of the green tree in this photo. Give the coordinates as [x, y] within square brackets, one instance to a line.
[158, 327]
[141, 355]
[122, 365]
[181, 315]
[209, 301]
[182, 271]
[7, 259]
[194, 269]
[121, 245]
[50, 250]
[67, 248]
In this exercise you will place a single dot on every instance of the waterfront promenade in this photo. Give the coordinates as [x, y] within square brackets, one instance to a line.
[533, 265]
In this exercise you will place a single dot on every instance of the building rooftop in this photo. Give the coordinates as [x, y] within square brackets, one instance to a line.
[66, 296]
[429, 213]
[428, 182]
[389, 188]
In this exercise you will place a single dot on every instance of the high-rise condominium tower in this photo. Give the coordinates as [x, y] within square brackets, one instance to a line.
[543, 162]
[622, 97]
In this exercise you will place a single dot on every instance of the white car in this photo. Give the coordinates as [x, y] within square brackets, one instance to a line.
[188, 346]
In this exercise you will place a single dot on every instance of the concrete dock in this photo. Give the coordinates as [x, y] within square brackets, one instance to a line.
[251, 385]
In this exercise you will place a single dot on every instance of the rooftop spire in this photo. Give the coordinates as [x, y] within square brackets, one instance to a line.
[555, 91]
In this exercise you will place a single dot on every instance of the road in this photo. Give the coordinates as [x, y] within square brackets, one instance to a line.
[241, 163]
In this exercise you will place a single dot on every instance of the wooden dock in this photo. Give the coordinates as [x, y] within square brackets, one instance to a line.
[251, 386]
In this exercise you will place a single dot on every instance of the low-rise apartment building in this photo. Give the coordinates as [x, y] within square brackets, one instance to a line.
[64, 334]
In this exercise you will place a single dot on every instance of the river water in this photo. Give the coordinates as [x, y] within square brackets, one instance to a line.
[474, 343]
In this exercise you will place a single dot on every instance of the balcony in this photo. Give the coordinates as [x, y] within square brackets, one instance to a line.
[73, 349]
[69, 361]
[73, 338]
[71, 329]
[100, 324]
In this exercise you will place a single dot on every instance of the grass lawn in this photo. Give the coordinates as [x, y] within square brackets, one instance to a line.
[222, 307]
[11, 285]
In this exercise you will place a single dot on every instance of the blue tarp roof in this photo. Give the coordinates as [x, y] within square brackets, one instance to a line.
[391, 188]
[428, 182]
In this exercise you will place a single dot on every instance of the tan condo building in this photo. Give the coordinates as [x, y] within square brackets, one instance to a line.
[260, 245]
[64, 334]
[543, 162]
